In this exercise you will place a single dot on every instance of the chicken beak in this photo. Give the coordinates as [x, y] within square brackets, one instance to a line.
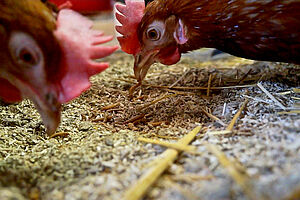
[142, 63]
[45, 99]
[49, 109]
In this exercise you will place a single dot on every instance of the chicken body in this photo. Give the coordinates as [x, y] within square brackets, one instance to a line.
[254, 29]
[43, 59]
[259, 30]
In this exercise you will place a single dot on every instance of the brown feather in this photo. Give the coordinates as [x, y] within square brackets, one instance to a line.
[260, 30]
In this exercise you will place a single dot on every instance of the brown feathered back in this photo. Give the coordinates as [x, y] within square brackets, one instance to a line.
[261, 30]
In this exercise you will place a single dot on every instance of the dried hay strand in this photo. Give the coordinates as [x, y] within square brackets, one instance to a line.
[108, 107]
[139, 189]
[292, 112]
[188, 88]
[213, 117]
[230, 127]
[271, 96]
[175, 146]
[240, 176]
[236, 116]
[209, 85]
[156, 100]
[236, 170]
[296, 90]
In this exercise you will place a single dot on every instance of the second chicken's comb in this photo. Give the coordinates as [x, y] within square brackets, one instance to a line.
[130, 15]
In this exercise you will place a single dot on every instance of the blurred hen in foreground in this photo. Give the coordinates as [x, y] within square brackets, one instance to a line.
[161, 32]
[45, 59]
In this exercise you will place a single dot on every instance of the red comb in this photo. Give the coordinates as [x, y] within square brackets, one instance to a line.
[130, 16]
[78, 42]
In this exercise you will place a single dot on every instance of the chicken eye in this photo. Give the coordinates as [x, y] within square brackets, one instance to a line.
[24, 50]
[27, 57]
[153, 34]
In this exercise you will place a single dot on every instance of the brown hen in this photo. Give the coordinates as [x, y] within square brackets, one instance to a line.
[261, 30]
[47, 59]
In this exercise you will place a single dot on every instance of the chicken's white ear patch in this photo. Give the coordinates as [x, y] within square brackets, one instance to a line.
[180, 33]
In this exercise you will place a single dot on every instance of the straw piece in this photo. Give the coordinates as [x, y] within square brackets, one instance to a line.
[285, 93]
[270, 96]
[103, 119]
[156, 100]
[236, 116]
[205, 88]
[255, 99]
[133, 88]
[138, 190]
[182, 92]
[189, 88]
[213, 117]
[224, 132]
[139, 98]
[178, 80]
[224, 109]
[289, 112]
[154, 124]
[209, 85]
[295, 98]
[110, 106]
[241, 179]
[135, 118]
[296, 90]
[175, 146]
[245, 76]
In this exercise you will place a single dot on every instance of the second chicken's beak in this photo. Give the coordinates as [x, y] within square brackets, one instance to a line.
[142, 63]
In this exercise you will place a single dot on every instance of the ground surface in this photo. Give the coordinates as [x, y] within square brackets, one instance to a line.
[100, 156]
